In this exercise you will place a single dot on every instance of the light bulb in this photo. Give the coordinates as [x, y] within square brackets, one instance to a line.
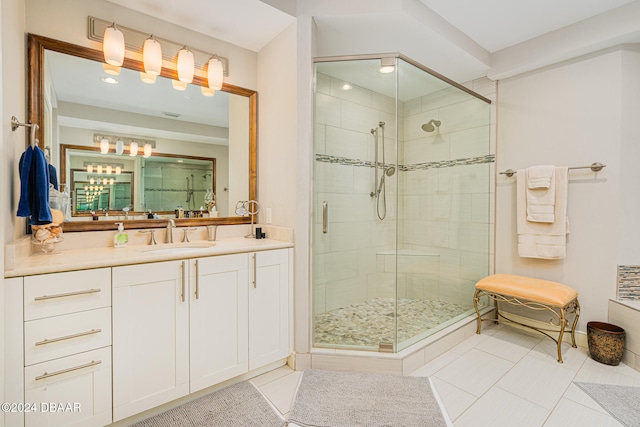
[111, 69]
[119, 147]
[133, 149]
[104, 146]
[147, 78]
[215, 73]
[152, 56]
[113, 45]
[185, 65]
[147, 150]
[207, 91]
[178, 85]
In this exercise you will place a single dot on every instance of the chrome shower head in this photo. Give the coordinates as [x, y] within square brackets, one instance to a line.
[431, 125]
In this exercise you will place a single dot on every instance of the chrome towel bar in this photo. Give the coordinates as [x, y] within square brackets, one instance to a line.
[595, 167]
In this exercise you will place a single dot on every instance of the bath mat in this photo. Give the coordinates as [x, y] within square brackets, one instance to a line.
[619, 401]
[238, 405]
[350, 399]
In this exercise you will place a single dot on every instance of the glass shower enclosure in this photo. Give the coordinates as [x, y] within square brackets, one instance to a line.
[401, 202]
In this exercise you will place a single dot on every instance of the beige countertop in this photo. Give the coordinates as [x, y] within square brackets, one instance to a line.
[84, 258]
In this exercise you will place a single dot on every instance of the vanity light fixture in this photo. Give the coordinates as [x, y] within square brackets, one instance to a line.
[104, 181]
[113, 45]
[104, 146]
[119, 147]
[118, 170]
[207, 91]
[89, 168]
[111, 181]
[92, 181]
[109, 169]
[99, 169]
[133, 149]
[178, 85]
[215, 73]
[152, 56]
[147, 78]
[111, 69]
[186, 64]
[147, 150]
[86, 187]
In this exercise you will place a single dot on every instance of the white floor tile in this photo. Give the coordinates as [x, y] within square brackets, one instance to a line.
[281, 392]
[596, 372]
[575, 394]
[572, 358]
[435, 365]
[469, 343]
[475, 371]
[509, 343]
[498, 408]
[539, 381]
[263, 379]
[569, 413]
[455, 400]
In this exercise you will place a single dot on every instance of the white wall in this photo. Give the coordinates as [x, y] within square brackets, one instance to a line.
[568, 114]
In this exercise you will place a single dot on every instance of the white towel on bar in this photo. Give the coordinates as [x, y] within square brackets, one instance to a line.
[543, 240]
[540, 176]
[541, 193]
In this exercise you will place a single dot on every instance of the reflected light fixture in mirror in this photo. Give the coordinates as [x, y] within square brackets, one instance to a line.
[113, 45]
[119, 147]
[133, 149]
[152, 56]
[178, 85]
[147, 150]
[207, 91]
[147, 78]
[186, 64]
[104, 145]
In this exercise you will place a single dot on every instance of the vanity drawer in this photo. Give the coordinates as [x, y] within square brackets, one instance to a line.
[81, 383]
[62, 293]
[54, 337]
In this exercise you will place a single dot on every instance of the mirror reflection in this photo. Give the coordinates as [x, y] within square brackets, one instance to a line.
[201, 144]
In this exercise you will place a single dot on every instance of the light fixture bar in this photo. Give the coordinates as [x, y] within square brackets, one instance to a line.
[97, 137]
[134, 41]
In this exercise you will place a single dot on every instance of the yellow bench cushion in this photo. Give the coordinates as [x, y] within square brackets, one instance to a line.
[529, 288]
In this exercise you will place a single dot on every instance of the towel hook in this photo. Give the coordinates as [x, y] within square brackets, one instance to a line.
[15, 124]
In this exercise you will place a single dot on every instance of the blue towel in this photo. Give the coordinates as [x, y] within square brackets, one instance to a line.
[34, 187]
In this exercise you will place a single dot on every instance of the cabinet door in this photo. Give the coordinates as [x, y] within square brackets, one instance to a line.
[268, 307]
[218, 315]
[70, 391]
[150, 336]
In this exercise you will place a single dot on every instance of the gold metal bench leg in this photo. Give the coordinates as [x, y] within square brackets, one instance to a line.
[476, 298]
[576, 312]
[563, 322]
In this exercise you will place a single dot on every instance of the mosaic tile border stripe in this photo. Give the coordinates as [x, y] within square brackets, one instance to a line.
[489, 158]
[629, 282]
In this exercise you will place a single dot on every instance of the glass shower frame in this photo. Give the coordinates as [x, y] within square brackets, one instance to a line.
[387, 269]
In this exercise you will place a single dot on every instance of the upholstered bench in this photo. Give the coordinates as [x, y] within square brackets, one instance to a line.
[534, 294]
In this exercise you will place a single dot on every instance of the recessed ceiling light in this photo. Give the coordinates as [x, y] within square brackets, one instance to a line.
[346, 86]
[109, 80]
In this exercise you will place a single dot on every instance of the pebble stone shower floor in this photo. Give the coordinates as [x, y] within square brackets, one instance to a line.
[371, 322]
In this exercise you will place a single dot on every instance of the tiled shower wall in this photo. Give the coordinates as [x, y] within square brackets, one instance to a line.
[444, 212]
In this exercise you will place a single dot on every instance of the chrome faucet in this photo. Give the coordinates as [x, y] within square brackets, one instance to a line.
[170, 226]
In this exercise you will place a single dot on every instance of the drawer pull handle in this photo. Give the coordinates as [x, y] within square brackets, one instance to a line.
[67, 337]
[64, 371]
[68, 294]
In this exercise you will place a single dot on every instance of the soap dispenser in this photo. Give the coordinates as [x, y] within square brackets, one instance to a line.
[121, 238]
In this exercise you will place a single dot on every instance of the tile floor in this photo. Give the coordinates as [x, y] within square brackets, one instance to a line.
[502, 378]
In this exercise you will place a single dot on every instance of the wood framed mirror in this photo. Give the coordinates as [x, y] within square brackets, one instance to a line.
[67, 119]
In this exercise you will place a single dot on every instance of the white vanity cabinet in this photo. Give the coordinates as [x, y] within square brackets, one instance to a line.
[150, 336]
[183, 326]
[62, 323]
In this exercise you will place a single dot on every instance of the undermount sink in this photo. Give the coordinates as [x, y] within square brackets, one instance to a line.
[178, 248]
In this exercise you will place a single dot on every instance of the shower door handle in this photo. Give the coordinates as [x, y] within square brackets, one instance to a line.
[325, 216]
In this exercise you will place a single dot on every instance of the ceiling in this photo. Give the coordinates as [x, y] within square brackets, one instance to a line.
[461, 39]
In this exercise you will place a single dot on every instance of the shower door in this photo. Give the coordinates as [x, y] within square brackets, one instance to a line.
[355, 206]
[402, 167]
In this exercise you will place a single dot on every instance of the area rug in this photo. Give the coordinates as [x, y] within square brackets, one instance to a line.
[622, 402]
[238, 405]
[350, 399]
